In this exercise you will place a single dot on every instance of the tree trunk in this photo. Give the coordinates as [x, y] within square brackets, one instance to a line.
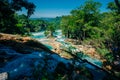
[117, 4]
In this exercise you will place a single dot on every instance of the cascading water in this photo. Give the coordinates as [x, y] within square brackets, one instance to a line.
[40, 36]
[61, 39]
[19, 65]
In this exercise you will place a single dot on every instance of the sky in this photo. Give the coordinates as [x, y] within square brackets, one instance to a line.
[54, 8]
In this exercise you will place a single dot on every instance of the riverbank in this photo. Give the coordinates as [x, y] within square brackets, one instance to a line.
[22, 44]
[26, 58]
[86, 49]
[59, 43]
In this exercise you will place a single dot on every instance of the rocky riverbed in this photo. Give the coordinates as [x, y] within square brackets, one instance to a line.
[23, 58]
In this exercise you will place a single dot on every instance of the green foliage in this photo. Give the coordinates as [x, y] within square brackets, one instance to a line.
[50, 29]
[8, 18]
[113, 7]
[52, 25]
[47, 33]
[56, 22]
[102, 51]
[80, 24]
[37, 25]
[101, 30]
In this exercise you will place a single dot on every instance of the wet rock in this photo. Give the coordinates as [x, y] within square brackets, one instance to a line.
[29, 60]
[20, 66]
[23, 45]
[3, 76]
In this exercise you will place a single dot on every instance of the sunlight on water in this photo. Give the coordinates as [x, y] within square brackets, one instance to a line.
[48, 46]
[38, 35]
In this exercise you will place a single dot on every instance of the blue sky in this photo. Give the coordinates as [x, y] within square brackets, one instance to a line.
[53, 8]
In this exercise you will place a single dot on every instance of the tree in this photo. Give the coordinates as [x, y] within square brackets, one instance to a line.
[51, 28]
[18, 4]
[80, 23]
[115, 38]
[112, 6]
[117, 4]
[8, 8]
[37, 25]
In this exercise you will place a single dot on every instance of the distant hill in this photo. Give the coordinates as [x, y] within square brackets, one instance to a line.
[47, 19]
